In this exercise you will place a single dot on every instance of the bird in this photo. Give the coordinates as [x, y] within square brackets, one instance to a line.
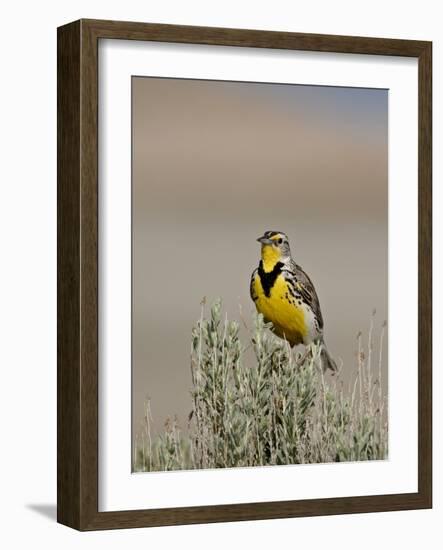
[285, 296]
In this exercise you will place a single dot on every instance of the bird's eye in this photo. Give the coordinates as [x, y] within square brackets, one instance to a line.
[279, 241]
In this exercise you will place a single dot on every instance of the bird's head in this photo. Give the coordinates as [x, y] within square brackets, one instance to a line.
[274, 248]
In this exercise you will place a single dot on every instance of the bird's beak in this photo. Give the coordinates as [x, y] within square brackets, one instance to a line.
[264, 240]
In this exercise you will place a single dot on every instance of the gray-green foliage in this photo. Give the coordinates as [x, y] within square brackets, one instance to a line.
[281, 410]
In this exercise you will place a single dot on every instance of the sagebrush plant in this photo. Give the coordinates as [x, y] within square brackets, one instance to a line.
[281, 410]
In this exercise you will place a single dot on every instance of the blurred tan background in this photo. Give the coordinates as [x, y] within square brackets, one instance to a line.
[215, 164]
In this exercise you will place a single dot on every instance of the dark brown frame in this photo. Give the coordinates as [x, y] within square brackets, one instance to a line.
[77, 431]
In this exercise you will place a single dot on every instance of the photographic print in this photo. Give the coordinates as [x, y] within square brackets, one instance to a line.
[244, 307]
[259, 274]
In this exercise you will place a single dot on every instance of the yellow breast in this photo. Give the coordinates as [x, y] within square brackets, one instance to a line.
[287, 316]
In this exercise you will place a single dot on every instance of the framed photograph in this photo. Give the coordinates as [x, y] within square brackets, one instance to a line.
[244, 274]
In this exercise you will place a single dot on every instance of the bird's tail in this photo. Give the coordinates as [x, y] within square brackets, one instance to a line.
[326, 360]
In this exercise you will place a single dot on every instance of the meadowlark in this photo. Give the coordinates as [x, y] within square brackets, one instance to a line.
[286, 297]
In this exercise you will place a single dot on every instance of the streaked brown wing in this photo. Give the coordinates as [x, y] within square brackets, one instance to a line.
[301, 284]
[252, 287]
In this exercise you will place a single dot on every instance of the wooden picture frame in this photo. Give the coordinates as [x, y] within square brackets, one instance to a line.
[77, 456]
